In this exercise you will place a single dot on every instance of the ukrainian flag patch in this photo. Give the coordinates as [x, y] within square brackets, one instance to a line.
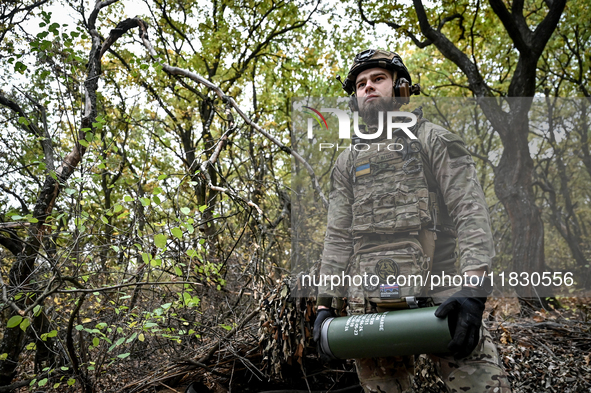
[364, 169]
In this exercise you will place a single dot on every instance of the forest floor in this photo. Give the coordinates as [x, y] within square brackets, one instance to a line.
[548, 351]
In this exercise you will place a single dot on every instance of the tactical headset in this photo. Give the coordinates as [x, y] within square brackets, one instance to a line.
[372, 58]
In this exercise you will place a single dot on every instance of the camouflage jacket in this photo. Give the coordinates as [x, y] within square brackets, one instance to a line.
[460, 194]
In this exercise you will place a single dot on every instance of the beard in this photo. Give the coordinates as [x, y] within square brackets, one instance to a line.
[370, 111]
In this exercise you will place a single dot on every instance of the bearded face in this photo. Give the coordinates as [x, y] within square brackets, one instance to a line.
[374, 88]
[370, 110]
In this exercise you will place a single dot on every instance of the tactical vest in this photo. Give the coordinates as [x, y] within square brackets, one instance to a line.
[396, 213]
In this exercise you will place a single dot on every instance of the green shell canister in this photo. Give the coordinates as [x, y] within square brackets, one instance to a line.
[391, 333]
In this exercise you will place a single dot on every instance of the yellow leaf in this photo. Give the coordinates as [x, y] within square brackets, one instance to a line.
[141, 337]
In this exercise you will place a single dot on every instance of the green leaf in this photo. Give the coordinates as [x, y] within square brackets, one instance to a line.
[120, 341]
[4, 356]
[145, 201]
[71, 381]
[177, 232]
[123, 355]
[83, 142]
[95, 341]
[14, 321]
[157, 190]
[160, 240]
[202, 208]
[127, 198]
[185, 210]
[20, 67]
[117, 208]
[130, 339]
[104, 219]
[79, 327]
[192, 253]
[43, 382]
[53, 333]
[145, 257]
[178, 271]
[162, 177]
[70, 191]
[25, 324]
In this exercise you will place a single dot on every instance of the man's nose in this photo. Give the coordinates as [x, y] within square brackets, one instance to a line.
[369, 87]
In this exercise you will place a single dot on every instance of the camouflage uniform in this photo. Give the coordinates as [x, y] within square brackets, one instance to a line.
[358, 218]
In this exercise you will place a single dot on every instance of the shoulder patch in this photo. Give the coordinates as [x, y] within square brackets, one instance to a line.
[455, 145]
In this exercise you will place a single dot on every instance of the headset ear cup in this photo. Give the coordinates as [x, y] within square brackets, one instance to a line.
[353, 104]
[402, 91]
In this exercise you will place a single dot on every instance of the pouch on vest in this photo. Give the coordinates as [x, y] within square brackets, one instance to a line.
[392, 271]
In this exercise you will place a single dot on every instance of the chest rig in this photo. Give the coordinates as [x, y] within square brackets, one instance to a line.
[390, 189]
[394, 217]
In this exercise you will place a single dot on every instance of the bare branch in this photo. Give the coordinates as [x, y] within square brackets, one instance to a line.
[130, 284]
[18, 197]
[8, 301]
[395, 26]
[29, 126]
[27, 8]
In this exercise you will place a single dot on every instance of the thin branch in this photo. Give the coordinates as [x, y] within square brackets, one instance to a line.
[395, 26]
[131, 284]
[27, 8]
[6, 300]
[232, 332]
[18, 197]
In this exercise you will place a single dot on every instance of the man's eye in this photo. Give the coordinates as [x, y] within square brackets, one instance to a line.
[361, 85]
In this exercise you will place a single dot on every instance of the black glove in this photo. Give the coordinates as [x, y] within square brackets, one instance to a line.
[464, 311]
[321, 316]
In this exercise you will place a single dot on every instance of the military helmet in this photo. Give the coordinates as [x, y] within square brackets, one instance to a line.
[371, 58]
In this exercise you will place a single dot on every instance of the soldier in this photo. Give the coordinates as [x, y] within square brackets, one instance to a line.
[401, 213]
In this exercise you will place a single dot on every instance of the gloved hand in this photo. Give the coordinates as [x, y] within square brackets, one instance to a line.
[321, 316]
[464, 310]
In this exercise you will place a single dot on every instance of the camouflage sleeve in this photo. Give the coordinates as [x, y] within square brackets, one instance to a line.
[455, 172]
[338, 242]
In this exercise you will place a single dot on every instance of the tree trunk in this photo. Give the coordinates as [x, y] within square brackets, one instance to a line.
[513, 187]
